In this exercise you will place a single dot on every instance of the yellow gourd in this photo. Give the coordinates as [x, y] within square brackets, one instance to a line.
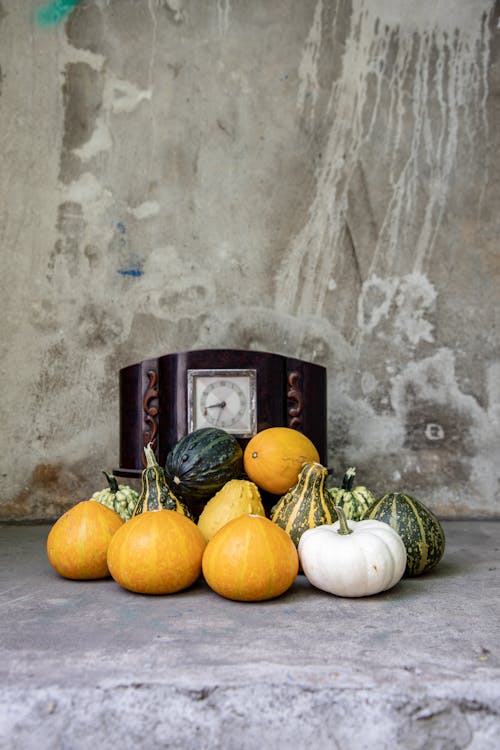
[237, 497]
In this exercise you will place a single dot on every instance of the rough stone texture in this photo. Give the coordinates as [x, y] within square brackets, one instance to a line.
[417, 667]
[317, 178]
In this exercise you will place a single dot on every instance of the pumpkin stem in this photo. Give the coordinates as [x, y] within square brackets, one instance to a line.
[113, 484]
[348, 479]
[343, 527]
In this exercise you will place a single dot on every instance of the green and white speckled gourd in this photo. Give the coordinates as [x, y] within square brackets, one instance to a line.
[155, 492]
[118, 497]
[354, 501]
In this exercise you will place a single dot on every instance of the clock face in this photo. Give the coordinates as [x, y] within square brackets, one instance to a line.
[224, 399]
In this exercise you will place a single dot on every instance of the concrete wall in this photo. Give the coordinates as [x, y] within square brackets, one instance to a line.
[318, 178]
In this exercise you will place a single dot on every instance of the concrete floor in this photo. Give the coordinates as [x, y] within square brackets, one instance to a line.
[88, 664]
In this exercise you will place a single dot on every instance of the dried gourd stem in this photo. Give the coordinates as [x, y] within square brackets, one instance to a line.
[343, 527]
[150, 456]
[113, 488]
[113, 484]
[348, 479]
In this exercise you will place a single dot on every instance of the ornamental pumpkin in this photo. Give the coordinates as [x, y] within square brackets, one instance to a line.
[77, 543]
[352, 558]
[237, 497]
[250, 559]
[274, 457]
[119, 497]
[201, 463]
[418, 527]
[306, 504]
[353, 500]
[155, 492]
[156, 552]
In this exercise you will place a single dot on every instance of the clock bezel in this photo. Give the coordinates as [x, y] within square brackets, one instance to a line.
[217, 373]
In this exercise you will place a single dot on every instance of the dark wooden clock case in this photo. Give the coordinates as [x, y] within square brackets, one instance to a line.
[153, 399]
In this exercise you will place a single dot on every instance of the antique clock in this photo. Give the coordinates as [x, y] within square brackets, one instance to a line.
[242, 392]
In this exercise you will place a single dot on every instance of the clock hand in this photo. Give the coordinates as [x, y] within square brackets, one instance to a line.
[220, 405]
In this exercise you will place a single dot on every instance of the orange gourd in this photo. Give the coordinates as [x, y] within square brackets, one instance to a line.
[156, 552]
[77, 543]
[273, 458]
[250, 559]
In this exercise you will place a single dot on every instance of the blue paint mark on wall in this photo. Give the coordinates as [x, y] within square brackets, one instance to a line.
[121, 227]
[50, 14]
[134, 270]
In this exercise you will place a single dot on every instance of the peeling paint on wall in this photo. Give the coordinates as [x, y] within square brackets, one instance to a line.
[405, 301]
[53, 13]
[145, 210]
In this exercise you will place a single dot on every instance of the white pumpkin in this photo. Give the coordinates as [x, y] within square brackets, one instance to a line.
[352, 558]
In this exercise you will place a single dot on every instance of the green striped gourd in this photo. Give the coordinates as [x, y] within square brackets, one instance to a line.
[155, 492]
[201, 463]
[416, 524]
[354, 501]
[307, 504]
[119, 497]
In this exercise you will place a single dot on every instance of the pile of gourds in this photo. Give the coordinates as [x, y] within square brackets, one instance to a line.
[202, 514]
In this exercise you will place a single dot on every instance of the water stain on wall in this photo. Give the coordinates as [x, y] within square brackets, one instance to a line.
[405, 99]
[49, 492]
[407, 116]
[265, 329]
[56, 367]
[177, 332]
[84, 29]
[65, 256]
[44, 315]
[82, 98]
[98, 327]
